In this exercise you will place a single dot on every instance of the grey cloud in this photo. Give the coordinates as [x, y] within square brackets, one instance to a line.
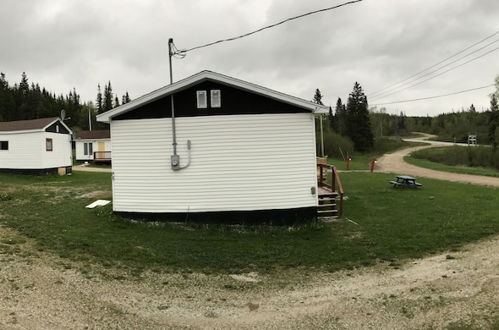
[65, 44]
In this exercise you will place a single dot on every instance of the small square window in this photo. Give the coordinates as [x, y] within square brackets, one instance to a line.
[48, 145]
[215, 99]
[4, 145]
[201, 99]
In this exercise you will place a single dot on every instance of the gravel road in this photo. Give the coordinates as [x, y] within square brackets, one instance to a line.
[394, 163]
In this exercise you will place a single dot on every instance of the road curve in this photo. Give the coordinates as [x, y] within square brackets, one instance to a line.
[394, 163]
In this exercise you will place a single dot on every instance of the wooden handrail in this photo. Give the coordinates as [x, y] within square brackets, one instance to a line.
[102, 155]
[335, 182]
[336, 177]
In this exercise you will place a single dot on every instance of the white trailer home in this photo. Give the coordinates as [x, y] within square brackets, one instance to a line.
[231, 146]
[93, 146]
[38, 146]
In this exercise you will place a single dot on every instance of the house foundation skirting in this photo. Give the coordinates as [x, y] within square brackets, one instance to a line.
[275, 216]
[36, 171]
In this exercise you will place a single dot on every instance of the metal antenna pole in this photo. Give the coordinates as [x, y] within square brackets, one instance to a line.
[89, 119]
[174, 135]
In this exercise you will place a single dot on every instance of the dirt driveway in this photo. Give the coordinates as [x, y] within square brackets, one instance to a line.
[91, 169]
[41, 291]
[394, 163]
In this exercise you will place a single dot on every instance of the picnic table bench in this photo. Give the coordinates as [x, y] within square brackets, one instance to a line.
[405, 181]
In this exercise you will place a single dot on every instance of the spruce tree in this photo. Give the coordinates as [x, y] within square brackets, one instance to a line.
[318, 97]
[108, 97]
[116, 101]
[358, 126]
[493, 122]
[24, 85]
[341, 114]
[125, 98]
[98, 102]
[330, 119]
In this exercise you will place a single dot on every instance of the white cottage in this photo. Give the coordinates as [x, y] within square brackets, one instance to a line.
[232, 146]
[38, 146]
[93, 146]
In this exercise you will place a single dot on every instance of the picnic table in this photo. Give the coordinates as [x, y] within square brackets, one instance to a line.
[405, 181]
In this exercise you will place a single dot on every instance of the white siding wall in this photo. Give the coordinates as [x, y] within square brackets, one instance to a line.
[239, 162]
[80, 151]
[61, 154]
[27, 151]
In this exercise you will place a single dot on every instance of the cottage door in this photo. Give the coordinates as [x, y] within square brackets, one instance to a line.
[101, 146]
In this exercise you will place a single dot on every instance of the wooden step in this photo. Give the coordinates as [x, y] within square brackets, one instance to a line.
[324, 206]
[327, 212]
[327, 200]
[331, 195]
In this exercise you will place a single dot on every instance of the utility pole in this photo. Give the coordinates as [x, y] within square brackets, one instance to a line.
[175, 159]
[322, 135]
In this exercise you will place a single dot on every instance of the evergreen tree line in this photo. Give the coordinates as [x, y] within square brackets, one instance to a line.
[356, 122]
[350, 121]
[25, 100]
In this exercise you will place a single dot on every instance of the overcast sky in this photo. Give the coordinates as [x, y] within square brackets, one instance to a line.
[64, 44]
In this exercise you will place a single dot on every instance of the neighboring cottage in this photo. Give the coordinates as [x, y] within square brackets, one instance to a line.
[240, 147]
[38, 146]
[93, 146]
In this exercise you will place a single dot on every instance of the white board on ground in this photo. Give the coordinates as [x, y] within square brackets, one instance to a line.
[97, 203]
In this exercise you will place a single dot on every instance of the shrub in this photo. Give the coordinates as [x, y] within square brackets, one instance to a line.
[464, 156]
[388, 144]
[334, 142]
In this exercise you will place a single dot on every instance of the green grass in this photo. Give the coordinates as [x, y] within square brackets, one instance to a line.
[388, 225]
[454, 169]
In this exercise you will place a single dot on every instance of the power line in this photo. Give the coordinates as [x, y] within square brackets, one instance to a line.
[441, 73]
[269, 26]
[401, 87]
[436, 64]
[434, 97]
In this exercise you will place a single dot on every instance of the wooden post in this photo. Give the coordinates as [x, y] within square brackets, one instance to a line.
[340, 211]
[373, 162]
[333, 179]
[321, 175]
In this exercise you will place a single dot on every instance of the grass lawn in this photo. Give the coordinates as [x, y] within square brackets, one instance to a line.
[454, 169]
[388, 225]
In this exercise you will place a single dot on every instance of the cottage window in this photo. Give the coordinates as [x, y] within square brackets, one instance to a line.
[57, 128]
[4, 145]
[202, 99]
[88, 149]
[215, 99]
[48, 145]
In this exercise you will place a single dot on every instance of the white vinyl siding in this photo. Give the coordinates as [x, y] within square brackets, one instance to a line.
[91, 146]
[238, 162]
[29, 150]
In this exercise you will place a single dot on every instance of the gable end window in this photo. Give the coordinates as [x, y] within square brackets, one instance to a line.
[4, 145]
[215, 98]
[49, 145]
[202, 99]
